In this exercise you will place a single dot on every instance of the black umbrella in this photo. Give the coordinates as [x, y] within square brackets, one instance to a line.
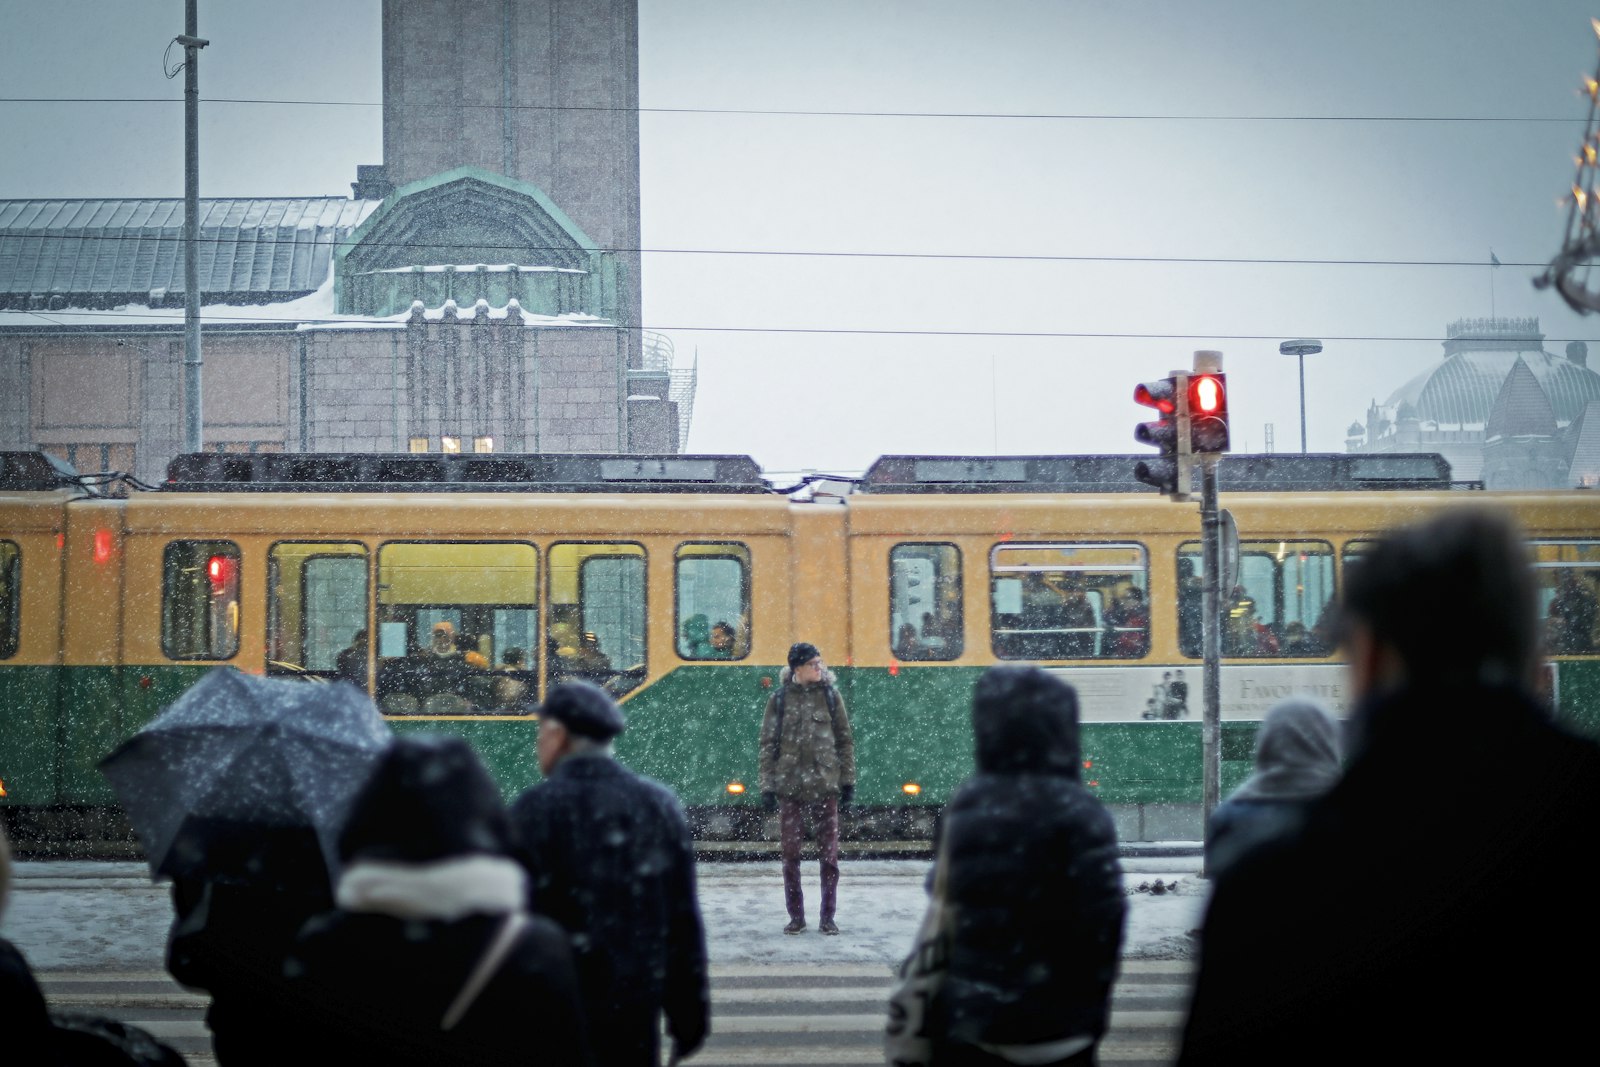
[237, 748]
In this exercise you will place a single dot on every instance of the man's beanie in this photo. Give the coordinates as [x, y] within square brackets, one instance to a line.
[584, 709]
[802, 652]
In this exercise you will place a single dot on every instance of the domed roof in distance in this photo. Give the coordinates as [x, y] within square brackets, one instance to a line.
[1479, 356]
[1522, 409]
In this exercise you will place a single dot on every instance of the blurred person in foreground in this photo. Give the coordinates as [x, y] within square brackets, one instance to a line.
[611, 860]
[1420, 914]
[1297, 761]
[430, 957]
[24, 1020]
[1034, 883]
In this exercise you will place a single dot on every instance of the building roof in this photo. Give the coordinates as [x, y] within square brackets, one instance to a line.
[104, 253]
[1460, 392]
[1585, 430]
[1521, 409]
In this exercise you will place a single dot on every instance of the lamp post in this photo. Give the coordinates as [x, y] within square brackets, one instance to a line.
[1302, 347]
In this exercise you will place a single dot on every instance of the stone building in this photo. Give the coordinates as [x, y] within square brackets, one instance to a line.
[479, 292]
[1499, 407]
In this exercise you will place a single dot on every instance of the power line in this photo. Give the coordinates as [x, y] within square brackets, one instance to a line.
[807, 113]
[807, 330]
[1018, 257]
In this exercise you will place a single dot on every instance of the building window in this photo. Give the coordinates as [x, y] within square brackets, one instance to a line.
[450, 445]
[713, 591]
[1070, 601]
[93, 458]
[420, 444]
[483, 444]
[925, 619]
[200, 600]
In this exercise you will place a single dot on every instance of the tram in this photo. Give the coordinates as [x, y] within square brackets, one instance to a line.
[458, 589]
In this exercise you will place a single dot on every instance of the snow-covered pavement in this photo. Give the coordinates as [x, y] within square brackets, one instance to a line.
[81, 915]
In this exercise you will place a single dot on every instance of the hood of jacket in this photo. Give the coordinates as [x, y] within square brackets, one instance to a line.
[1025, 721]
[1297, 753]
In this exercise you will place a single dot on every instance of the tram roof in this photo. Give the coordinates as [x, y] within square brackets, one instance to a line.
[282, 472]
[1320, 472]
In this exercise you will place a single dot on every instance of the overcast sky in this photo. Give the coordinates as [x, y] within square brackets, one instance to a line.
[1172, 131]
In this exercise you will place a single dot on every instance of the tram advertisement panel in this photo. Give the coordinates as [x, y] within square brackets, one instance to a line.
[1133, 694]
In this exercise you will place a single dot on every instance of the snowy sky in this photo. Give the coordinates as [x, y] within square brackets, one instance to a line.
[1243, 129]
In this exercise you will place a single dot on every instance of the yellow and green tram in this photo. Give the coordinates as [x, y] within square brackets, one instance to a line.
[457, 589]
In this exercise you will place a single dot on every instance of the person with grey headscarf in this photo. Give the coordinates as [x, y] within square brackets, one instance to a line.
[1297, 760]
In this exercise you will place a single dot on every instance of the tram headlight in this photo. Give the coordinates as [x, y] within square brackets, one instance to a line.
[736, 788]
[911, 789]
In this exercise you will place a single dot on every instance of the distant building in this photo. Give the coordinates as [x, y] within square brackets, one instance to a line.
[1498, 407]
[480, 292]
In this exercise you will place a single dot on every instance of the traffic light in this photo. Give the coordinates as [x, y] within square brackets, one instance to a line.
[1208, 413]
[1168, 472]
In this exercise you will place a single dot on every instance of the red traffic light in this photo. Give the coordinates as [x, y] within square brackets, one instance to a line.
[1207, 395]
[219, 569]
[1160, 395]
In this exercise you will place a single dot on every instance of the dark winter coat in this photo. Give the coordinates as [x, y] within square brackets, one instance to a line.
[1296, 762]
[1427, 911]
[1032, 876]
[428, 884]
[237, 913]
[24, 1020]
[610, 858]
[816, 756]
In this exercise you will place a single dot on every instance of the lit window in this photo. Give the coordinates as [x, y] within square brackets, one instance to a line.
[450, 445]
[483, 444]
[419, 444]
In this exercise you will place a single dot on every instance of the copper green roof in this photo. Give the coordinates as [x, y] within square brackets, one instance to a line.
[1461, 390]
[103, 253]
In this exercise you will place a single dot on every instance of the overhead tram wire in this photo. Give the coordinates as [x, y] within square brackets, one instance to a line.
[842, 331]
[810, 113]
[89, 234]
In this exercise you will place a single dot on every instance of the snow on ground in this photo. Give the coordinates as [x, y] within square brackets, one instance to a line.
[72, 914]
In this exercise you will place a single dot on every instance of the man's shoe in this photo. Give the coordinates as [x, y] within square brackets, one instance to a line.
[796, 926]
[829, 927]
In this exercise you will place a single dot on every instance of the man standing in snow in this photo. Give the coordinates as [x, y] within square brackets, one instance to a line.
[609, 857]
[808, 769]
[1416, 915]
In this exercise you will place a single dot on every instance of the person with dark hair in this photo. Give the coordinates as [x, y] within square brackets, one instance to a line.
[807, 767]
[430, 957]
[1297, 760]
[610, 859]
[350, 665]
[22, 1007]
[1032, 877]
[1413, 916]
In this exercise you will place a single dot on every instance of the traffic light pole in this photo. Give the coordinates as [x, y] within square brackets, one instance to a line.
[1211, 638]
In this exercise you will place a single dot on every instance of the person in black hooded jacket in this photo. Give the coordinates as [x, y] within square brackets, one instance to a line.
[430, 957]
[1425, 910]
[1034, 883]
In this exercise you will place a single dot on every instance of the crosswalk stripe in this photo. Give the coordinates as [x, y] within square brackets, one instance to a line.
[801, 970]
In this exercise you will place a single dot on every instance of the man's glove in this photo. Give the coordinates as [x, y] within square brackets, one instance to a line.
[685, 1045]
[769, 801]
[847, 793]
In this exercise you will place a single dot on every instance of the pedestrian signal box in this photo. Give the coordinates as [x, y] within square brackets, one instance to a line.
[1208, 414]
[1169, 471]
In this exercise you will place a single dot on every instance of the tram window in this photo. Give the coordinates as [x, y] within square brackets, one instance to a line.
[1568, 573]
[597, 615]
[457, 627]
[10, 597]
[713, 606]
[1281, 607]
[925, 621]
[200, 600]
[317, 610]
[1069, 601]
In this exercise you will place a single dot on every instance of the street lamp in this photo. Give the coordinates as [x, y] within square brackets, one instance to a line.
[1302, 347]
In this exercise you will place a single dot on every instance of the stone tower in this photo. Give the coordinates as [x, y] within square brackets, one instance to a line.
[541, 91]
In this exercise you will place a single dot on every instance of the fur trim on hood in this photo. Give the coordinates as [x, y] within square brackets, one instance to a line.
[445, 890]
[827, 676]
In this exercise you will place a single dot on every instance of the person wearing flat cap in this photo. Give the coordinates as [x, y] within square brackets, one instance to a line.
[609, 857]
[808, 769]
